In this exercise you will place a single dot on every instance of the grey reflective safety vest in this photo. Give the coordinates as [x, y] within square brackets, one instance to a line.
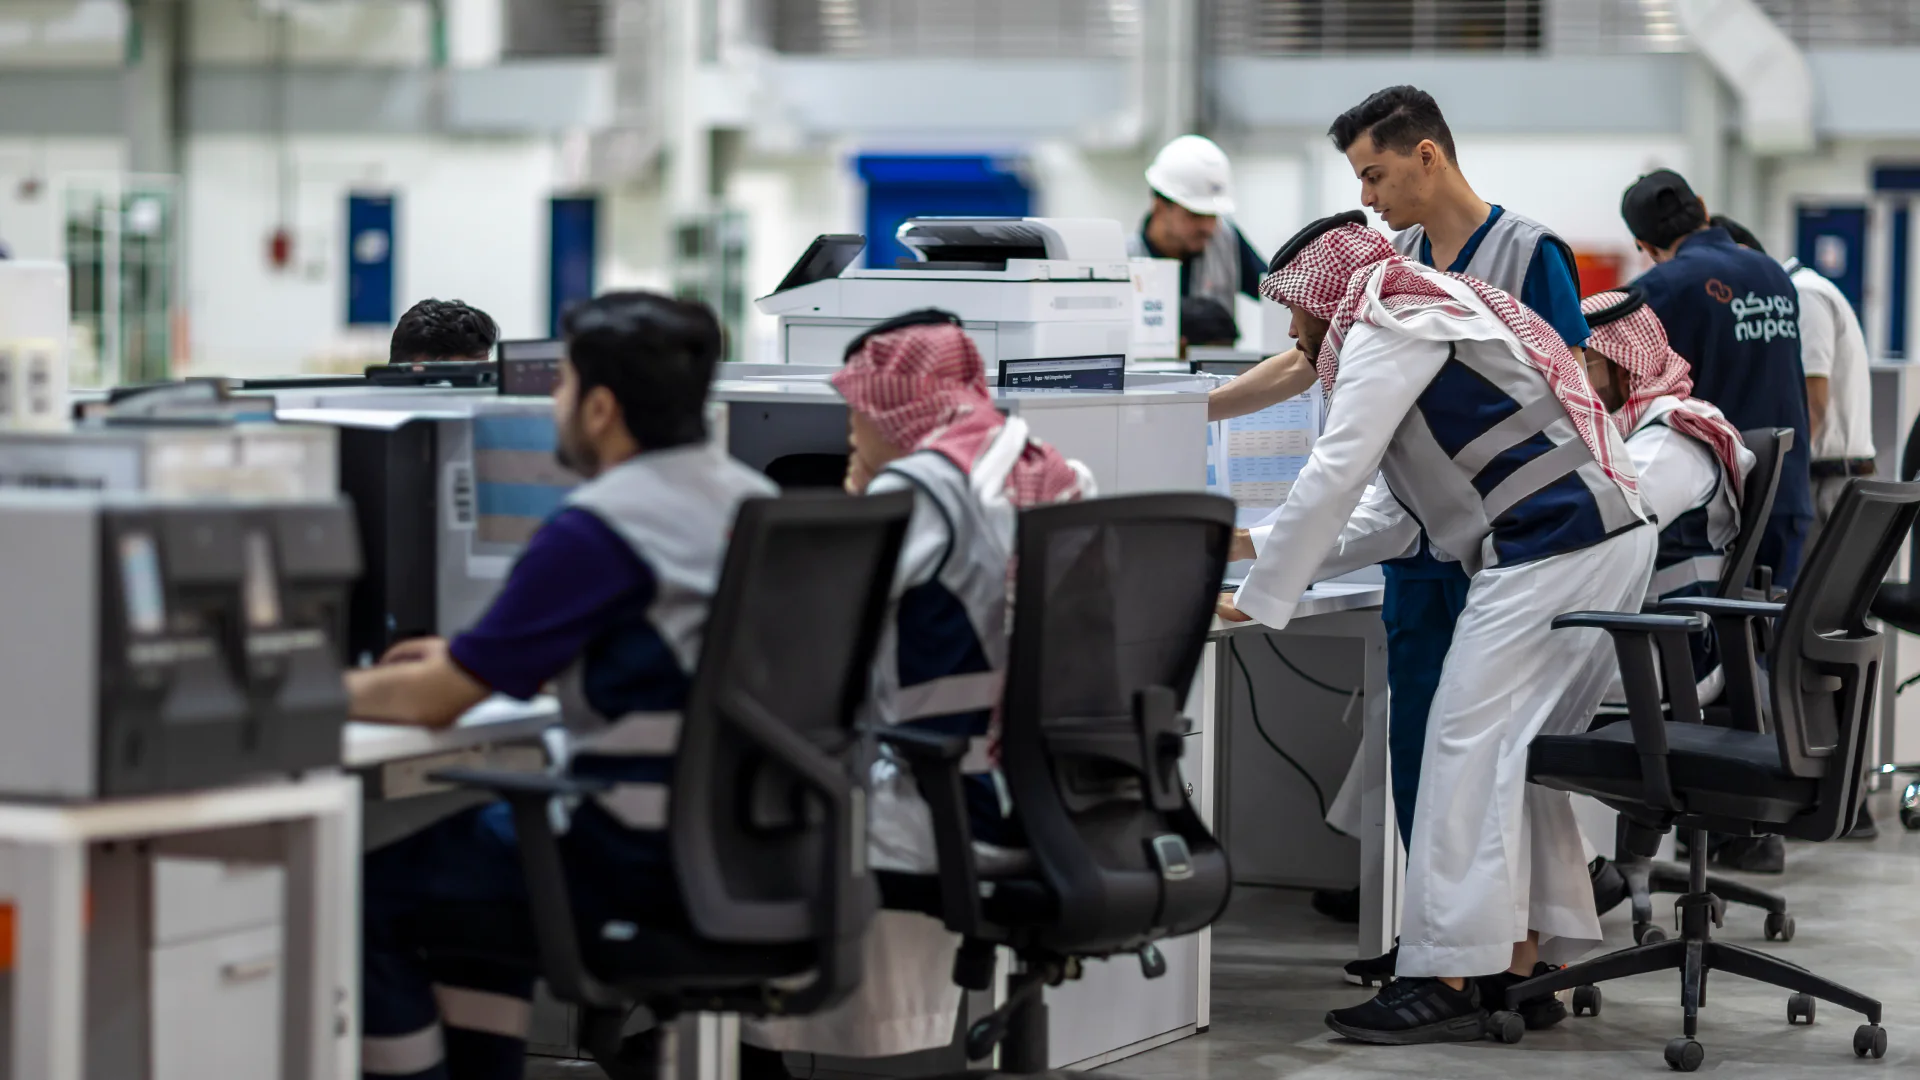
[942, 658]
[1502, 260]
[1504, 254]
[675, 509]
[1489, 463]
[1216, 270]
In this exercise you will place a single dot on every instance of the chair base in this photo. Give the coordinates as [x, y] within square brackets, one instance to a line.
[1694, 953]
[1646, 877]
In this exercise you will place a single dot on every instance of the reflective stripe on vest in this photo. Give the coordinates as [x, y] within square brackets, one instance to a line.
[950, 694]
[636, 734]
[1700, 573]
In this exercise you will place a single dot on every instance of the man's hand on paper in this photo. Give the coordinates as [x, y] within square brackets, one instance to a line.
[1224, 608]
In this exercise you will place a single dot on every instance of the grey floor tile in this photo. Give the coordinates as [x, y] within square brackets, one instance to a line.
[1276, 973]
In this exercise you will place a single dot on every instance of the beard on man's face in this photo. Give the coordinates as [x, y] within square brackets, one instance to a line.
[572, 450]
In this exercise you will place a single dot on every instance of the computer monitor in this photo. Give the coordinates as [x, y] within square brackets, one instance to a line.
[825, 258]
[1065, 373]
[530, 368]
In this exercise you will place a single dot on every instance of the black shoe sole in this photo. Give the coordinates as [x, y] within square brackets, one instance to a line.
[1471, 1028]
[1366, 980]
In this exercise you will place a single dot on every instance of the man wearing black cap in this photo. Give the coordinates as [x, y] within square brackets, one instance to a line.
[1734, 314]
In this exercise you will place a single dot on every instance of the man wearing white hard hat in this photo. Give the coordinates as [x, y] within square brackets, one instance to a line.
[1192, 184]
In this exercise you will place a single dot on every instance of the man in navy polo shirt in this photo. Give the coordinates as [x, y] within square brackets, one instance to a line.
[1735, 315]
[612, 591]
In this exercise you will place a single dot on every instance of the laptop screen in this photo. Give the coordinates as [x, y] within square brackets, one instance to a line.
[1065, 373]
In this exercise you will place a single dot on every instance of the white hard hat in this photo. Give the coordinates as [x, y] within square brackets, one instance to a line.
[1193, 171]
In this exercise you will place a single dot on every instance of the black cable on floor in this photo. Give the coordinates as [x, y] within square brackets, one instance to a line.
[1268, 638]
[1253, 705]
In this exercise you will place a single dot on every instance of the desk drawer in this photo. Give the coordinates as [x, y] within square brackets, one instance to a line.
[217, 1007]
[197, 898]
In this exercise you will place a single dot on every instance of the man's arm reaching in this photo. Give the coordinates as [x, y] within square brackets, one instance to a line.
[1269, 382]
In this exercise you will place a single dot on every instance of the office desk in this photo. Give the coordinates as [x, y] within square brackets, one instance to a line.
[1337, 639]
[394, 762]
[50, 857]
[495, 721]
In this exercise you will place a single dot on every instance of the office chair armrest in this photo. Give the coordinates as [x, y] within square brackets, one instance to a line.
[1637, 641]
[916, 745]
[529, 795]
[1719, 607]
[934, 760]
[509, 784]
[1745, 631]
[1630, 622]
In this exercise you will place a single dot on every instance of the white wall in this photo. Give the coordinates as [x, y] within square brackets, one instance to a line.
[32, 218]
[788, 202]
[62, 33]
[471, 225]
[354, 33]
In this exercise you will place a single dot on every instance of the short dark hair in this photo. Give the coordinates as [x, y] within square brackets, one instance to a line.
[1205, 321]
[655, 354]
[442, 330]
[1740, 233]
[1398, 118]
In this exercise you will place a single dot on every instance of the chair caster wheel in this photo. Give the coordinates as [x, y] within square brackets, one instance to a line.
[1779, 927]
[1870, 1040]
[1685, 1055]
[1910, 807]
[1648, 934]
[1506, 1027]
[1800, 1009]
[1586, 1001]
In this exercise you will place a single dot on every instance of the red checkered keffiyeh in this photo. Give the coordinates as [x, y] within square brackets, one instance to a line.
[1342, 272]
[925, 388]
[1637, 344]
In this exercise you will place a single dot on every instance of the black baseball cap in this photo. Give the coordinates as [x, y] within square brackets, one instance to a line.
[1661, 207]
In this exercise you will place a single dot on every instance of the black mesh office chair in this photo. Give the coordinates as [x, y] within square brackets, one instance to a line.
[1644, 876]
[1802, 779]
[767, 823]
[1113, 598]
[1898, 605]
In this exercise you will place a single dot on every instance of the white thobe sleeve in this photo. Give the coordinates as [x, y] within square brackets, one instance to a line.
[1380, 529]
[1677, 472]
[1381, 375]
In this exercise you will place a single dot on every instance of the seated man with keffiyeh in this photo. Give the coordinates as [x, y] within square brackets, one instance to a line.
[1487, 438]
[922, 420]
[1689, 457]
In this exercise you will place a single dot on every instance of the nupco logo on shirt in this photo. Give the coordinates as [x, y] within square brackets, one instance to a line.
[1756, 317]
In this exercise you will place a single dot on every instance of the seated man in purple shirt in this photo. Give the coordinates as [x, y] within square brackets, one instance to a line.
[612, 593]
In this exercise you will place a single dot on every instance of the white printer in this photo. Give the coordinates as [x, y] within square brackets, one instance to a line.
[1025, 288]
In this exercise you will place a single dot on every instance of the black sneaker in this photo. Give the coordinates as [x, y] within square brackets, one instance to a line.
[1414, 1011]
[1374, 971]
[1753, 854]
[1540, 1011]
[1340, 905]
[1609, 885]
